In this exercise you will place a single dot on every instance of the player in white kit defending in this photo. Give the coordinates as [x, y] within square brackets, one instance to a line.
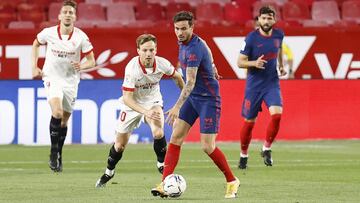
[60, 73]
[141, 102]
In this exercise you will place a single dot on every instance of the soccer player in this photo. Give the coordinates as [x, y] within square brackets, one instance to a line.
[141, 101]
[259, 54]
[60, 73]
[200, 98]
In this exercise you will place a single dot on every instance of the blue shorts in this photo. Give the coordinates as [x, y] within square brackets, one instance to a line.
[253, 100]
[207, 108]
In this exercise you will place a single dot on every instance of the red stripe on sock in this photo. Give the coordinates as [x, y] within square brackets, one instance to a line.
[171, 159]
[245, 136]
[220, 160]
[272, 129]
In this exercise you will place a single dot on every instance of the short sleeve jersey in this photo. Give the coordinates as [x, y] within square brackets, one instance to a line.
[256, 45]
[144, 82]
[195, 54]
[60, 51]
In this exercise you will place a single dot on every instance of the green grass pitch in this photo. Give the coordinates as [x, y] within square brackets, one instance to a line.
[316, 171]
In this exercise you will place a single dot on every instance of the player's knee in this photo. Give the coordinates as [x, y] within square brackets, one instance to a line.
[58, 113]
[207, 148]
[158, 133]
[119, 147]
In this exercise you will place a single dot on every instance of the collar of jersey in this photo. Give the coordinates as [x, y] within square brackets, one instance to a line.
[143, 67]
[59, 34]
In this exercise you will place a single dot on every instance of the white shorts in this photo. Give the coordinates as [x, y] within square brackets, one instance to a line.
[129, 119]
[68, 95]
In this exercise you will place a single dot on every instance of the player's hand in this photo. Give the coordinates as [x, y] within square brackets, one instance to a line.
[282, 71]
[37, 72]
[260, 62]
[152, 114]
[172, 115]
[75, 65]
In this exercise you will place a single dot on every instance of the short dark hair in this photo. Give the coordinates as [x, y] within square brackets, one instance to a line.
[184, 15]
[267, 10]
[71, 3]
[145, 38]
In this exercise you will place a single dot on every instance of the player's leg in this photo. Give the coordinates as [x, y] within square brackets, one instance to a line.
[251, 107]
[115, 155]
[157, 130]
[209, 147]
[62, 136]
[274, 101]
[181, 127]
[128, 120]
[68, 103]
[55, 126]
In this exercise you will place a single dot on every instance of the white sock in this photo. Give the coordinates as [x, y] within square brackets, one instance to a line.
[266, 148]
[109, 172]
[244, 155]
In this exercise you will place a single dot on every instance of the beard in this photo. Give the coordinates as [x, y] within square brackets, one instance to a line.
[265, 29]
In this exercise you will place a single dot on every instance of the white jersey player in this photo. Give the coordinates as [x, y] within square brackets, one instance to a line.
[65, 44]
[141, 101]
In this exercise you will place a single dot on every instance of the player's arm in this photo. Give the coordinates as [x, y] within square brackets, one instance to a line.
[243, 62]
[177, 77]
[281, 62]
[36, 71]
[128, 97]
[185, 93]
[89, 63]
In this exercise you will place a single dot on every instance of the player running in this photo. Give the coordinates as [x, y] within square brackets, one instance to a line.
[259, 54]
[141, 102]
[60, 73]
[200, 98]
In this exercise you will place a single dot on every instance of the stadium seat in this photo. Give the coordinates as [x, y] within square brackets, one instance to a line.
[233, 12]
[110, 24]
[28, 7]
[161, 2]
[211, 12]
[351, 10]
[12, 3]
[90, 12]
[345, 23]
[46, 24]
[54, 10]
[278, 2]
[120, 12]
[142, 24]
[85, 24]
[21, 25]
[44, 3]
[101, 2]
[257, 5]
[135, 3]
[295, 11]
[221, 2]
[34, 16]
[315, 23]
[172, 8]
[306, 2]
[6, 17]
[247, 3]
[149, 11]
[325, 11]
[193, 3]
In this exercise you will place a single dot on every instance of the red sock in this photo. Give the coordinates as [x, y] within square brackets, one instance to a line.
[220, 160]
[171, 159]
[245, 136]
[272, 130]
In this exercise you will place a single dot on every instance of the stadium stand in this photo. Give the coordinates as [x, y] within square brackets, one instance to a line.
[21, 25]
[351, 10]
[325, 11]
[215, 16]
[138, 13]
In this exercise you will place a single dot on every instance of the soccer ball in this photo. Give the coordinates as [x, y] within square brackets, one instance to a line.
[174, 185]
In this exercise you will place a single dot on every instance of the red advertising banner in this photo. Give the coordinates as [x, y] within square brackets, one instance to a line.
[318, 53]
[313, 109]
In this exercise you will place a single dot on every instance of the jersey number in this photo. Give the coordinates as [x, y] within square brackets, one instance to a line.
[122, 116]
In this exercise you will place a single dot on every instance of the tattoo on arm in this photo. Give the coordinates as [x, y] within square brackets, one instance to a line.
[189, 85]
